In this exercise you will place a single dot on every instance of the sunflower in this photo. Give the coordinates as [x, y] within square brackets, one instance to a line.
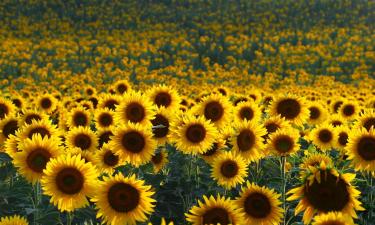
[133, 143]
[89, 91]
[104, 118]
[6, 108]
[283, 142]
[18, 101]
[247, 111]
[159, 160]
[104, 136]
[333, 218]
[121, 87]
[229, 170]
[134, 108]
[106, 160]
[366, 120]
[34, 155]
[290, 107]
[216, 149]
[335, 105]
[314, 159]
[273, 124]
[259, 205]
[324, 190]
[323, 136]
[88, 156]
[109, 101]
[223, 90]
[161, 124]
[219, 210]
[68, 180]
[83, 138]
[13, 220]
[349, 110]
[193, 135]
[336, 120]
[317, 112]
[164, 96]
[11, 146]
[28, 115]
[247, 140]
[78, 116]
[8, 126]
[47, 103]
[215, 108]
[124, 200]
[361, 149]
[163, 222]
[342, 136]
[42, 127]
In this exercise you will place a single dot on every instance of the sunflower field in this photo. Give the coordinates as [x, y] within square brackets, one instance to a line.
[162, 112]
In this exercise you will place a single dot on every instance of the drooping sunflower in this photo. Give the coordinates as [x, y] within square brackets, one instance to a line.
[42, 127]
[106, 160]
[124, 200]
[159, 160]
[78, 116]
[47, 103]
[219, 210]
[361, 149]
[193, 135]
[292, 108]
[68, 180]
[317, 112]
[104, 118]
[215, 108]
[83, 138]
[121, 87]
[283, 142]
[324, 190]
[274, 123]
[349, 110]
[161, 123]
[164, 96]
[8, 126]
[247, 111]
[366, 120]
[109, 101]
[13, 220]
[247, 140]
[323, 136]
[333, 218]
[133, 143]
[229, 170]
[6, 108]
[259, 205]
[28, 115]
[135, 108]
[34, 155]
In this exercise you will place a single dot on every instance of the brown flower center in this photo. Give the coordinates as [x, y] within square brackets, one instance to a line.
[337, 105]
[157, 158]
[213, 111]
[17, 102]
[38, 159]
[39, 130]
[110, 159]
[284, 144]
[46, 103]
[343, 138]
[105, 137]
[245, 140]
[325, 135]
[123, 197]
[246, 113]
[122, 88]
[82, 141]
[133, 141]
[162, 131]
[330, 194]
[80, 119]
[289, 108]
[135, 112]
[29, 118]
[4, 110]
[257, 205]
[229, 169]
[370, 122]
[111, 104]
[348, 110]
[163, 99]
[10, 128]
[69, 181]
[212, 150]
[336, 123]
[105, 119]
[195, 133]
[366, 148]
[314, 113]
[94, 101]
[216, 216]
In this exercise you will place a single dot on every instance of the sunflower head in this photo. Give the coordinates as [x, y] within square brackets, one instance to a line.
[215, 108]
[106, 160]
[161, 123]
[333, 218]
[6, 108]
[247, 111]
[284, 142]
[83, 138]
[292, 108]
[104, 118]
[159, 159]
[164, 96]
[8, 127]
[78, 116]
[13, 220]
[323, 136]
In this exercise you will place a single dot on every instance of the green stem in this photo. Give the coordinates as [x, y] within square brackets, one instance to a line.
[371, 197]
[37, 199]
[283, 186]
[70, 218]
